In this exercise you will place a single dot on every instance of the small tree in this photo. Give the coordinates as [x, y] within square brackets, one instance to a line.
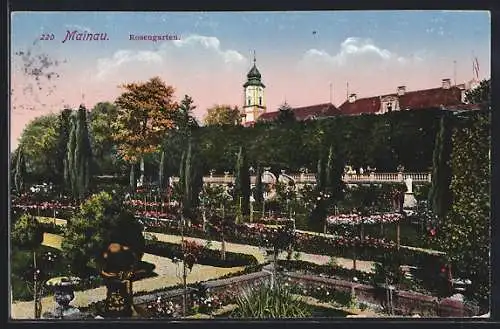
[20, 170]
[27, 234]
[242, 183]
[440, 195]
[99, 220]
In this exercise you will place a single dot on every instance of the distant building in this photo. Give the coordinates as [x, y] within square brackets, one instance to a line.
[445, 97]
[304, 113]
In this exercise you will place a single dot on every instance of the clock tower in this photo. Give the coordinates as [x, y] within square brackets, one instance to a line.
[254, 103]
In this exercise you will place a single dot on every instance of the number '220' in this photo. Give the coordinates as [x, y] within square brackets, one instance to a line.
[47, 37]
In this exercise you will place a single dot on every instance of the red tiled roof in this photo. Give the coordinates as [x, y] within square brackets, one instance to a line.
[306, 112]
[428, 98]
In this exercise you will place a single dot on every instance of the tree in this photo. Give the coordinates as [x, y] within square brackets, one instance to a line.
[480, 94]
[70, 173]
[286, 114]
[440, 196]
[242, 182]
[101, 124]
[162, 171]
[63, 131]
[465, 233]
[333, 175]
[222, 115]
[27, 234]
[39, 139]
[99, 221]
[79, 155]
[183, 117]
[259, 187]
[143, 119]
[20, 170]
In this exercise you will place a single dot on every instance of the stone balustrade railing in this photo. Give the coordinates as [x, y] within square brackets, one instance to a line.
[348, 178]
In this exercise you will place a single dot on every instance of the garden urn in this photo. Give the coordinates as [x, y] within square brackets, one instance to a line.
[63, 288]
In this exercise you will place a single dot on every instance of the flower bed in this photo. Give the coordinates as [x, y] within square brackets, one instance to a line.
[207, 256]
[355, 219]
[370, 249]
[275, 221]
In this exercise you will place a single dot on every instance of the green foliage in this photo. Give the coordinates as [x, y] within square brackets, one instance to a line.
[99, 221]
[82, 154]
[63, 132]
[79, 155]
[222, 115]
[20, 171]
[39, 139]
[27, 233]
[270, 301]
[440, 196]
[285, 114]
[388, 270]
[259, 186]
[104, 148]
[207, 256]
[242, 182]
[481, 94]
[465, 233]
[162, 171]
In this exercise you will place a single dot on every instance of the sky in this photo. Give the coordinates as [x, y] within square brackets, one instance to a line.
[305, 58]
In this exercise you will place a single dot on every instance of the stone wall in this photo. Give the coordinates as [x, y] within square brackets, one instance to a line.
[404, 302]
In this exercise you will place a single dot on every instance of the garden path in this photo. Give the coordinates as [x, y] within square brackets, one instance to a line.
[259, 254]
[167, 277]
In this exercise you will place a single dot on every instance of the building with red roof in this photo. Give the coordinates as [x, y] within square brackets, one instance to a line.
[445, 97]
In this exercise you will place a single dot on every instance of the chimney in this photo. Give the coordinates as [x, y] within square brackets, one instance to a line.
[352, 98]
[401, 90]
[446, 83]
[462, 92]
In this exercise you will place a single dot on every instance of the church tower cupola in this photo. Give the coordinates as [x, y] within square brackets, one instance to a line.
[254, 104]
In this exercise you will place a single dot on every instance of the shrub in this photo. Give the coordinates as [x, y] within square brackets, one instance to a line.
[207, 256]
[270, 301]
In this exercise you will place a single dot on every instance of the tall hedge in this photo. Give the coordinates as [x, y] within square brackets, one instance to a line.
[465, 233]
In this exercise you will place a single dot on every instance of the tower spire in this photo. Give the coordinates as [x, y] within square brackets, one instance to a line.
[254, 60]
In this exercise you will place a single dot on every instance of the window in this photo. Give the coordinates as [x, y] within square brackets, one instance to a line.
[260, 100]
[389, 107]
[249, 101]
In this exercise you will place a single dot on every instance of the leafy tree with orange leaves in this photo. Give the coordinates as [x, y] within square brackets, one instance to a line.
[144, 117]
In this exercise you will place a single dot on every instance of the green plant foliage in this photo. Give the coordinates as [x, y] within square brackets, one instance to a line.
[39, 139]
[465, 233]
[20, 171]
[242, 182]
[99, 221]
[440, 196]
[270, 301]
[27, 233]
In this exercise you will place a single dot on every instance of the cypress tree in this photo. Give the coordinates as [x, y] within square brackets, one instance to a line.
[259, 187]
[440, 195]
[64, 129]
[83, 154]
[162, 171]
[329, 172]
[20, 170]
[188, 180]
[182, 174]
[132, 180]
[242, 182]
[320, 175]
[70, 159]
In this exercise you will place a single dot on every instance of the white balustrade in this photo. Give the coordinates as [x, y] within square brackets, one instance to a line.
[348, 178]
